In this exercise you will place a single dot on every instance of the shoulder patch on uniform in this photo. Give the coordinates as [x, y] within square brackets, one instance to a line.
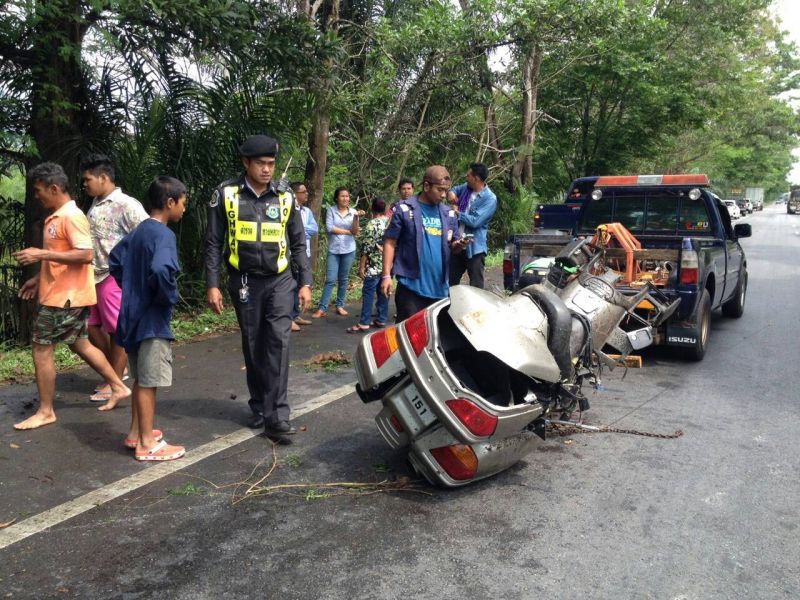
[404, 207]
[214, 199]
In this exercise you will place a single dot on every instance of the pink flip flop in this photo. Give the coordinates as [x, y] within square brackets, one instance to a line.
[129, 443]
[161, 452]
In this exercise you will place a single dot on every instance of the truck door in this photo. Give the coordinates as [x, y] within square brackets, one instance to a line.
[733, 252]
[697, 220]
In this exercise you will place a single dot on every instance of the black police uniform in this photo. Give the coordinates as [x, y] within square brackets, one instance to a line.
[258, 237]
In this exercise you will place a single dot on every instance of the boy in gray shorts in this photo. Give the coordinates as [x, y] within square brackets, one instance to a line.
[145, 265]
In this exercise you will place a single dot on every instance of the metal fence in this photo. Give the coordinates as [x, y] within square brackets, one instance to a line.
[12, 236]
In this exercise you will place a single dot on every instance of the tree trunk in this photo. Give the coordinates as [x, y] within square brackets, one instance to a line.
[317, 163]
[319, 135]
[487, 83]
[522, 171]
[59, 107]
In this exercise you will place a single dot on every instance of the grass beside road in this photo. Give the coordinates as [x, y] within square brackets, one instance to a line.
[16, 362]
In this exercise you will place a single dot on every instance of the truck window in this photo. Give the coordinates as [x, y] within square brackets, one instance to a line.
[662, 212]
[694, 216]
[725, 217]
[630, 211]
[598, 212]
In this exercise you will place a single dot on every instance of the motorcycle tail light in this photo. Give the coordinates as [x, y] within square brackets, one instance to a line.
[458, 461]
[398, 427]
[477, 420]
[384, 344]
[417, 330]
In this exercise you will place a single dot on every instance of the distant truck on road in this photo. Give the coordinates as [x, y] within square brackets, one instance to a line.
[756, 197]
[793, 203]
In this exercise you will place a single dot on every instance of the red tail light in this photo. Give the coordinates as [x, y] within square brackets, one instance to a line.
[474, 418]
[458, 461]
[689, 263]
[398, 427]
[417, 331]
[688, 276]
[508, 266]
[384, 344]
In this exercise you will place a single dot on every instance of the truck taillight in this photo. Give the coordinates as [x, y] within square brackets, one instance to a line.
[477, 420]
[417, 331]
[384, 344]
[689, 263]
[508, 259]
[458, 461]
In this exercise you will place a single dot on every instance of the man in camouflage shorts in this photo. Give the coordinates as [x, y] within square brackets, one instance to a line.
[65, 288]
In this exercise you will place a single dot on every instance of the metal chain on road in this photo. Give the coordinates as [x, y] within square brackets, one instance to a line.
[564, 430]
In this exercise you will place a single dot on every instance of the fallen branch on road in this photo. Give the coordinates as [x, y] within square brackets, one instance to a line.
[254, 484]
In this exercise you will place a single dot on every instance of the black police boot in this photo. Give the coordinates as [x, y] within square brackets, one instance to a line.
[280, 428]
[256, 421]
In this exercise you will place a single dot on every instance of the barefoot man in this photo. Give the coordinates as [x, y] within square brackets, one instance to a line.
[65, 287]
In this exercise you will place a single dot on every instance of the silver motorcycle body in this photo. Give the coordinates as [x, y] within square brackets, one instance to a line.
[468, 383]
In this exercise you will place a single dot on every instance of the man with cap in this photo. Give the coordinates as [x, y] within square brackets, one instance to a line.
[255, 228]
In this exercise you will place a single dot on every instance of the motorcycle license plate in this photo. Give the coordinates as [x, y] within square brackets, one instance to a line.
[421, 407]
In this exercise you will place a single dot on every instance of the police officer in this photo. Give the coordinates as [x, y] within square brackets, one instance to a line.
[255, 228]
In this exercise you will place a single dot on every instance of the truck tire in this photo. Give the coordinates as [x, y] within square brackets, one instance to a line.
[698, 351]
[734, 308]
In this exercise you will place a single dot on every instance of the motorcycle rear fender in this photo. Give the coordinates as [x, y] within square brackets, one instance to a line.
[493, 456]
[369, 375]
[436, 383]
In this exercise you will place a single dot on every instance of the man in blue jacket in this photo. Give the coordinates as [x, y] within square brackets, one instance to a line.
[417, 246]
[476, 206]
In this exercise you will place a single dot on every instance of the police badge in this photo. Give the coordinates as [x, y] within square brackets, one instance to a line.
[272, 211]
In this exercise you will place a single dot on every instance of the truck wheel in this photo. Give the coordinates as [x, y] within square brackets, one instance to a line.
[734, 307]
[698, 351]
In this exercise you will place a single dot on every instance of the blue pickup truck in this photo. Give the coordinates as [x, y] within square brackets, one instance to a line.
[562, 217]
[689, 248]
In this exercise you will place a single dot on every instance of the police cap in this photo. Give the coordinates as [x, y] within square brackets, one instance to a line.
[258, 145]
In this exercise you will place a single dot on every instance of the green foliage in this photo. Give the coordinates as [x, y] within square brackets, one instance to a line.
[514, 215]
[189, 489]
[16, 363]
[172, 87]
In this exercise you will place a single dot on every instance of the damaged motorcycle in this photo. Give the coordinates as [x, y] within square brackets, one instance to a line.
[469, 384]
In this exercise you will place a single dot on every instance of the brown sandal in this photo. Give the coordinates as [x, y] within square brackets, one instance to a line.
[341, 311]
[357, 329]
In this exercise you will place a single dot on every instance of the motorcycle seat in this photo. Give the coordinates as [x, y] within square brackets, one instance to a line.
[559, 325]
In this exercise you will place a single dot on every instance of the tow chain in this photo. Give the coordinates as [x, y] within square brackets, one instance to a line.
[562, 430]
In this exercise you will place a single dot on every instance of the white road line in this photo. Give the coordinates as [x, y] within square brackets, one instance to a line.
[59, 514]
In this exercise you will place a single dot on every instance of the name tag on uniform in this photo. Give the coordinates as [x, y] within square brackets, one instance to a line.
[246, 231]
[271, 232]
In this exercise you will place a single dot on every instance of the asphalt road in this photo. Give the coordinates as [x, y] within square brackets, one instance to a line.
[713, 514]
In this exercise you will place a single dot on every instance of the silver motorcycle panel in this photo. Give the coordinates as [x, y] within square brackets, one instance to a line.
[482, 315]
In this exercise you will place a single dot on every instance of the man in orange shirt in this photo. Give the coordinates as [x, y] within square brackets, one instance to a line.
[65, 287]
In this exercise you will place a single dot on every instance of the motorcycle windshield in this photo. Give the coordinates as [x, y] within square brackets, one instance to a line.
[512, 329]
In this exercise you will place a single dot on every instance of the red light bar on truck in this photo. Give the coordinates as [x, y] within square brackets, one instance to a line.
[619, 180]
